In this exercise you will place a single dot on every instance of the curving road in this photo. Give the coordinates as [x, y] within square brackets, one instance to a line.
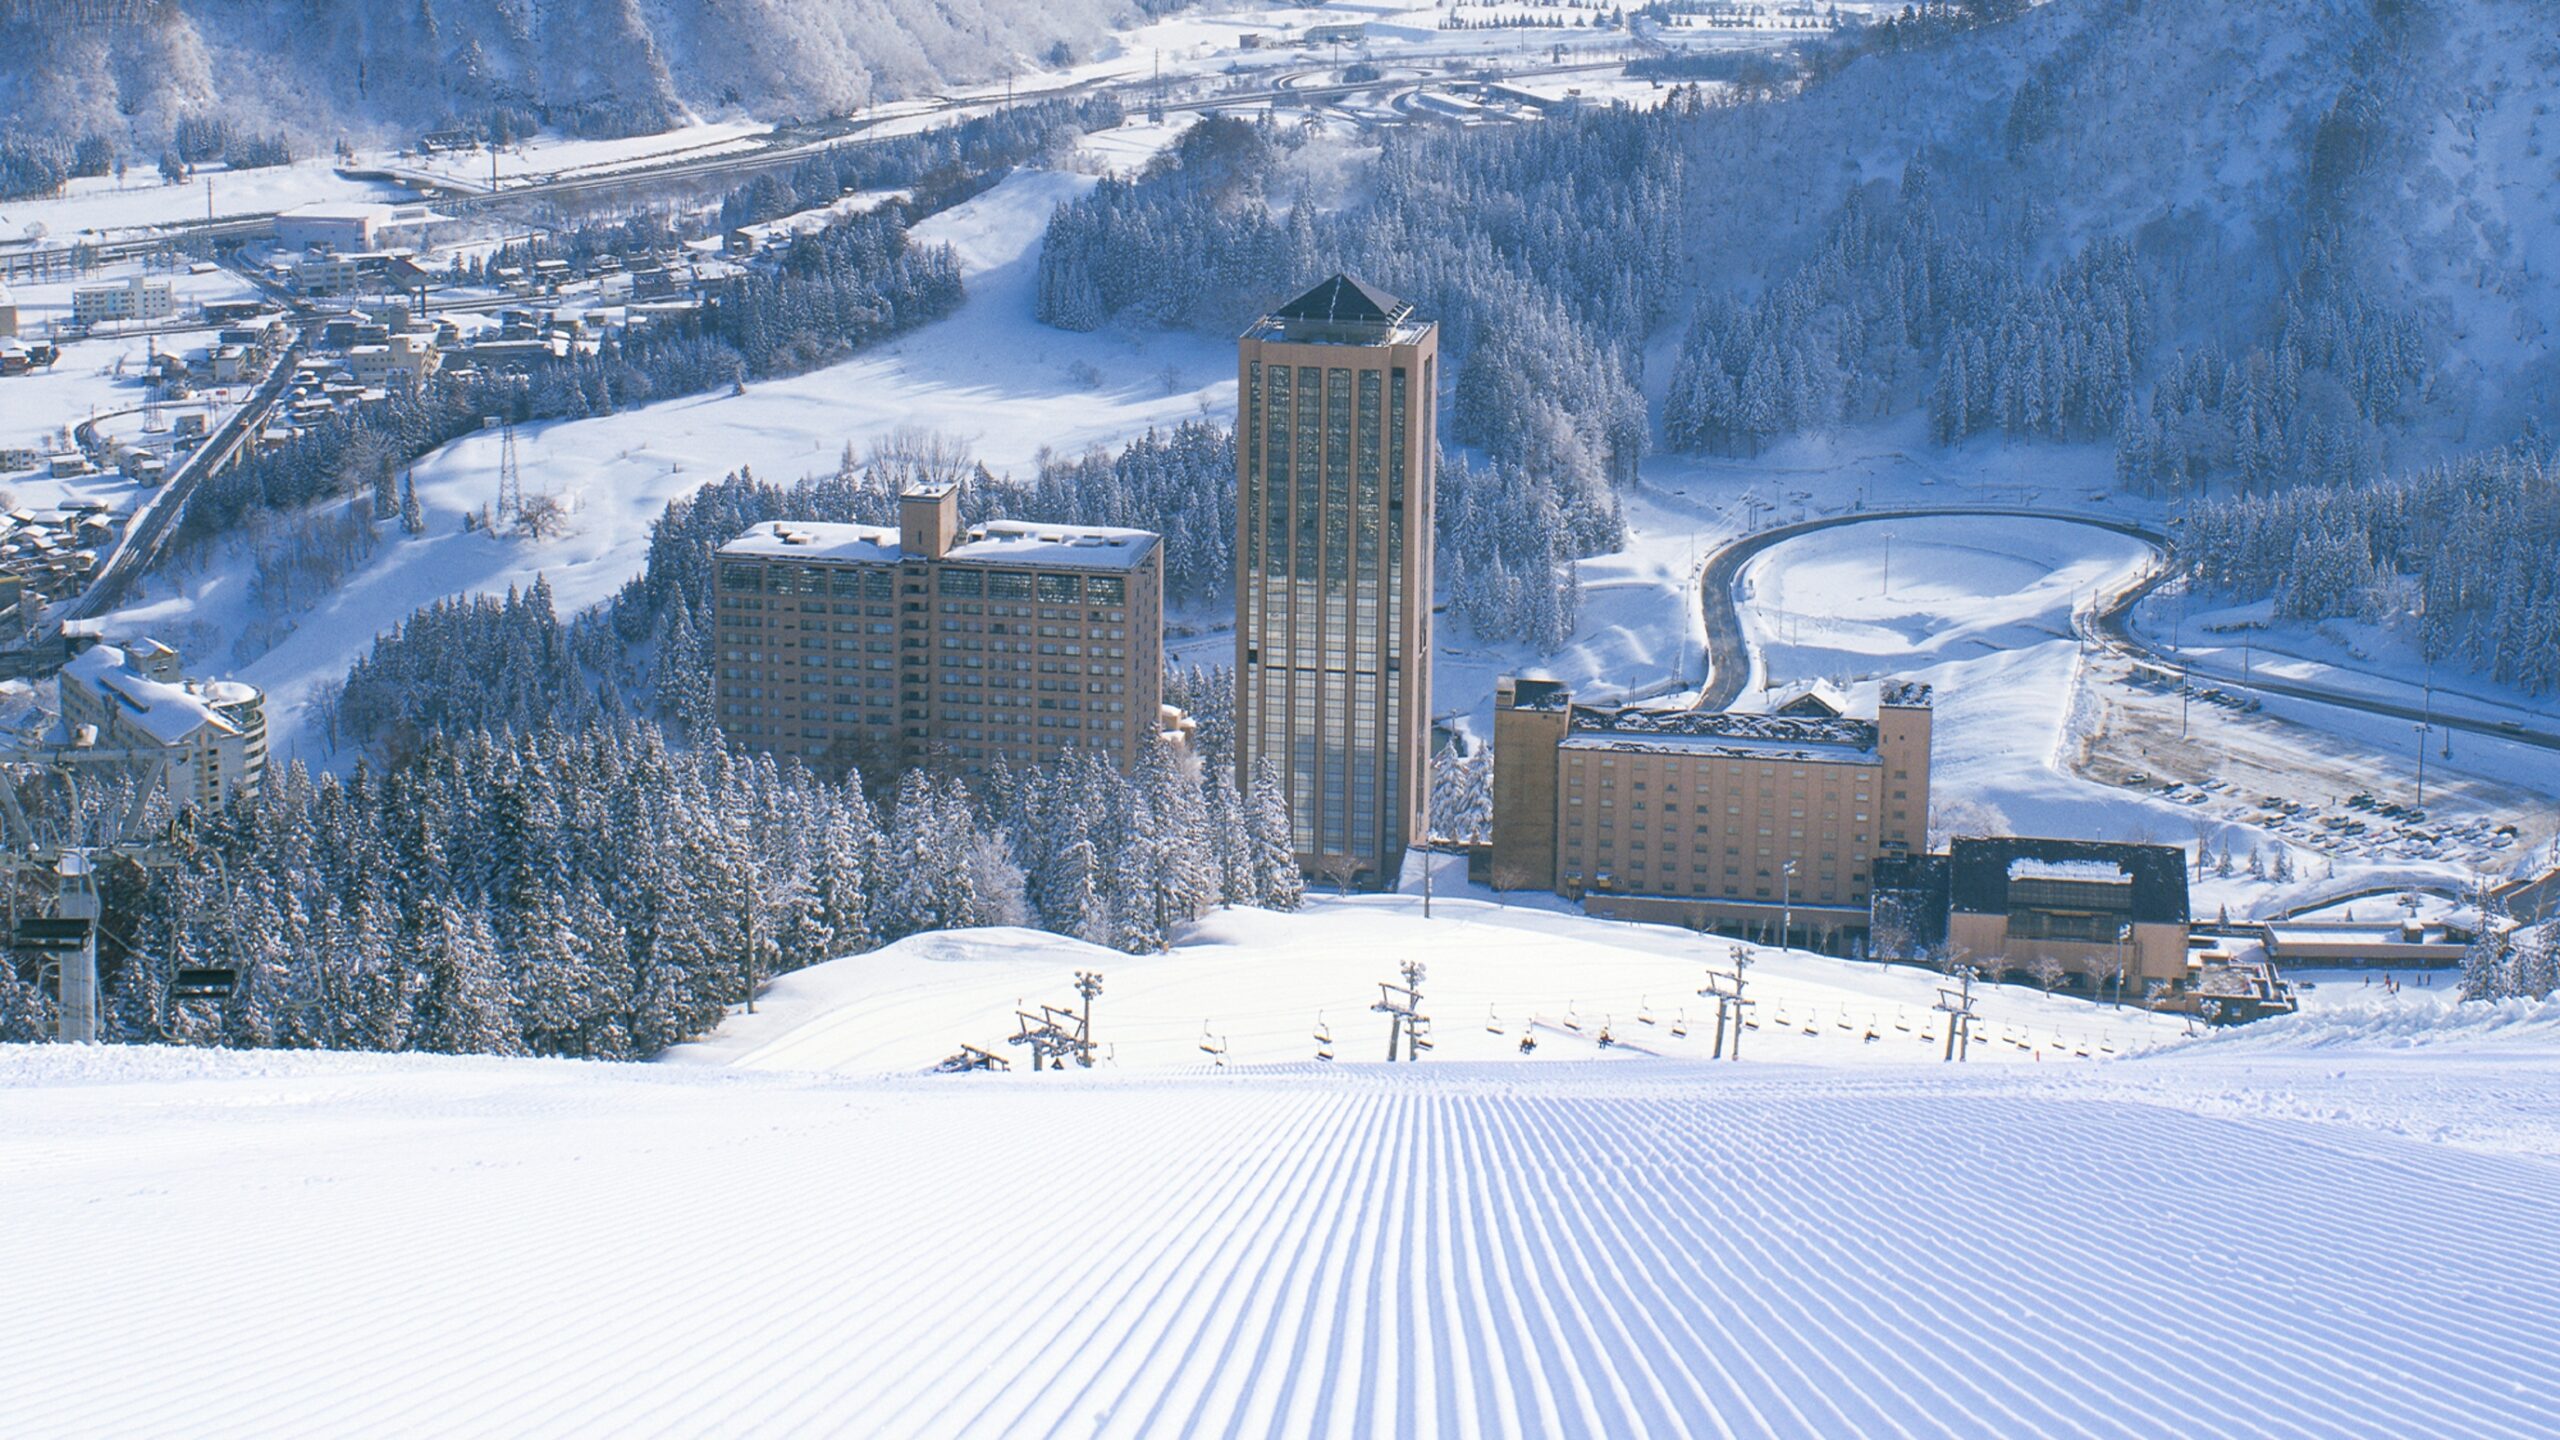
[1728, 663]
[2109, 624]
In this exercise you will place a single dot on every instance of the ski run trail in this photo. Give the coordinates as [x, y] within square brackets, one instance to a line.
[2337, 1224]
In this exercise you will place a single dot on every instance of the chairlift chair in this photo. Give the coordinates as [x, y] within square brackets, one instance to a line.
[1680, 1026]
[1492, 1022]
[204, 982]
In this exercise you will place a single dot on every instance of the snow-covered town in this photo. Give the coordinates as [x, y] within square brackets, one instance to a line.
[1497, 717]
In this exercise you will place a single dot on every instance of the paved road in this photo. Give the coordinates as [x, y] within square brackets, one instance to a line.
[151, 533]
[1729, 669]
[1729, 666]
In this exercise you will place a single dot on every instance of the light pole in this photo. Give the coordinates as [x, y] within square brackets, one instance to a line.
[2422, 729]
[1786, 903]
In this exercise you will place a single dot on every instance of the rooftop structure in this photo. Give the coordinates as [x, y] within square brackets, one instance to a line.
[1342, 311]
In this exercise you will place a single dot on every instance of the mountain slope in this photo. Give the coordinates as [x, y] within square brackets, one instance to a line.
[2219, 140]
[319, 69]
[316, 1244]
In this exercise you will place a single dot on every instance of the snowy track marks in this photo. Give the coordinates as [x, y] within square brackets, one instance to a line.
[1607, 1249]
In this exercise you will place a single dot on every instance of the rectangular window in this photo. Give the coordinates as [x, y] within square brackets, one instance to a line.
[1008, 585]
[1055, 589]
[968, 584]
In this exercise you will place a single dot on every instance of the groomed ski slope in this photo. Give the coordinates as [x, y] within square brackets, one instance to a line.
[314, 1245]
[2337, 1224]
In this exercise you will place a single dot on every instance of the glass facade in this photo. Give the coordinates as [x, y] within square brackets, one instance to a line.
[1332, 609]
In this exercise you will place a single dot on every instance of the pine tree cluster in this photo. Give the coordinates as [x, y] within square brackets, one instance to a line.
[1897, 299]
[1544, 252]
[2312, 407]
[1506, 556]
[2512, 964]
[601, 893]
[2465, 556]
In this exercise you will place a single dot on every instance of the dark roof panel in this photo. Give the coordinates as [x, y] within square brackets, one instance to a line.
[1344, 301]
[1981, 872]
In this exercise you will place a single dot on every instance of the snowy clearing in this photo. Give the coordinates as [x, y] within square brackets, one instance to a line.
[1261, 986]
[2220, 1240]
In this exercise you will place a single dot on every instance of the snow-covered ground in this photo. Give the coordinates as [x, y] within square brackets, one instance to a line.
[2323, 1225]
[1261, 988]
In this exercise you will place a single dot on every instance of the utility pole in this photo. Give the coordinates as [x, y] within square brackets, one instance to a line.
[510, 479]
[1888, 565]
[1786, 903]
[1957, 1005]
[2422, 729]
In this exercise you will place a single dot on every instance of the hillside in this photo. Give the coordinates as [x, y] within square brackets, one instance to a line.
[318, 71]
[2217, 140]
[2276, 1240]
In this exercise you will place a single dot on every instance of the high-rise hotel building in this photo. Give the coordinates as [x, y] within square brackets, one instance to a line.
[1333, 570]
[929, 643]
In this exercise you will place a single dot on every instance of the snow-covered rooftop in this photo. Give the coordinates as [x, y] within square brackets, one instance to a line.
[1078, 547]
[2105, 872]
[1812, 740]
[166, 711]
[998, 542]
[818, 540]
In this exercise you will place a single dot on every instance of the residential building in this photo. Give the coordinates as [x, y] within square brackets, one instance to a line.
[140, 298]
[1334, 460]
[213, 731]
[2006, 903]
[1749, 822]
[326, 273]
[408, 357]
[929, 643]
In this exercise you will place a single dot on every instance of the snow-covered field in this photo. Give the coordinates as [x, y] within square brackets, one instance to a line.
[2328, 1225]
[1261, 987]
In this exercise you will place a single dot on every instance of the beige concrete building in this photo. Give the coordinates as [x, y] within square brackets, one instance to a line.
[214, 731]
[1727, 821]
[140, 298]
[1334, 477]
[867, 646]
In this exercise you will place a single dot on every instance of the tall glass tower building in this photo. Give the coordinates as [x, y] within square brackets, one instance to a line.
[1333, 570]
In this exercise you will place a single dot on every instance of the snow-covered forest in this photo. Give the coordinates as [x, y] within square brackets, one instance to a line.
[1544, 252]
[602, 893]
[2467, 555]
[133, 72]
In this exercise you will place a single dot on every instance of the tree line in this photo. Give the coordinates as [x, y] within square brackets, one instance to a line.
[2463, 557]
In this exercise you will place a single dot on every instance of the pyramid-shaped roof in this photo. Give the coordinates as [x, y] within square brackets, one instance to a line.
[1344, 301]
